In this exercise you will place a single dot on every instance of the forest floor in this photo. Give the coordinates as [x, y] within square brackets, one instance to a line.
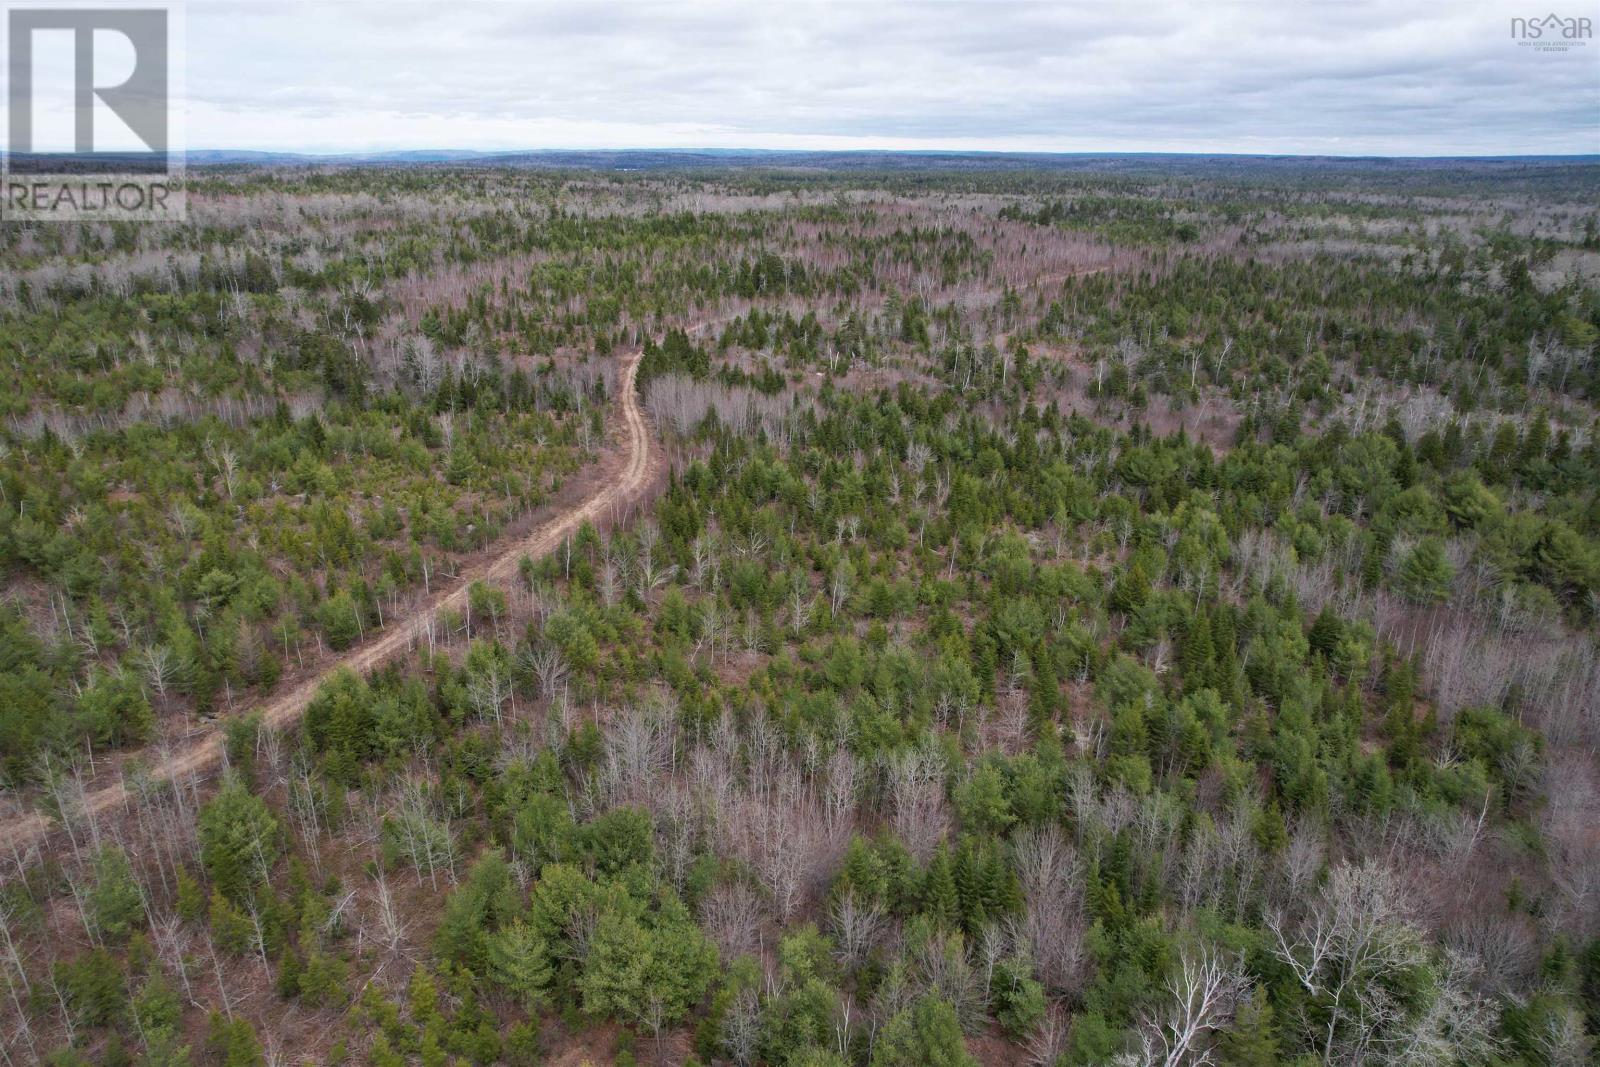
[623, 477]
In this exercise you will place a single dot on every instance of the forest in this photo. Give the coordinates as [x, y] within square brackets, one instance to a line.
[1131, 617]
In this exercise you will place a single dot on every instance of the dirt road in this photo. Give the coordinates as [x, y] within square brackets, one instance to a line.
[284, 710]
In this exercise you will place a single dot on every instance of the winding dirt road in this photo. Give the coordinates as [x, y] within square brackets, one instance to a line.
[396, 640]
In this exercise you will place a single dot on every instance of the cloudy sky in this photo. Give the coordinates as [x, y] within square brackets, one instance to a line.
[1397, 77]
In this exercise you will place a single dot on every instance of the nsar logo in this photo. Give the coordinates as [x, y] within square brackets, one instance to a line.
[1553, 33]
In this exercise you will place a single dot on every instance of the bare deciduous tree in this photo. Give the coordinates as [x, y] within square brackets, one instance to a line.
[1355, 934]
[1571, 811]
[426, 841]
[1052, 925]
[916, 787]
[160, 668]
[731, 915]
[741, 1027]
[1199, 1000]
[855, 928]
[946, 972]
[1049, 1042]
[426, 363]
[546, 662]
[391, 928]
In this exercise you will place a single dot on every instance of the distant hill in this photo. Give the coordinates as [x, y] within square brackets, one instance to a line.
[1562, 176]
[742, 159]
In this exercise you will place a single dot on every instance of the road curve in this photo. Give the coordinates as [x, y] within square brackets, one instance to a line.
[395, 640]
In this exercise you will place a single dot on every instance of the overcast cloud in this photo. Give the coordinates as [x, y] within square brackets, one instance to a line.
[1314, 76]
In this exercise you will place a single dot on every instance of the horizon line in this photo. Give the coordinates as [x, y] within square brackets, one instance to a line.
[737, 150]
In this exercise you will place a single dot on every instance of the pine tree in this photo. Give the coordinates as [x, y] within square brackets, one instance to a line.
[233, 1042]
[230, 926]
[648, 974]
[1251, 1041]
[422, 996]
[940, 898]
[967, 869]
[1195, 664]
[1326, 632]
[927, 1034]
[1224, 651]
[191, 900]
[478, 907]
[1425, 573]
[240, 839]
[863, 873]
[519, 960]
[1130, 590]
[115, 906]
[115, 710]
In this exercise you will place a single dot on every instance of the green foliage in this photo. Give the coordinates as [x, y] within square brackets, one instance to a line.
[543, 831]
[241, 734]
[1119, 687]
[322, 981]
[233, 1042]
[340, 620]
[519, 961]
[923, 1035]
[522, 1044]
[91, 988]
[1251, 1041]
[115, 710]
[1424, 575]
[163, 1050]
[647, 969]
[618, 839]
[27, 715]
[1019, 999]
[191, 901]
[484, 903]
[157, 1007]
[240, 839]
[115, 906]
[231, 928]
[983, 802]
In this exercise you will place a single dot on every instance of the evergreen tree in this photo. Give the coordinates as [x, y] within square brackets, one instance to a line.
[115, 906]
[1251, 1041]
[240, 839]
[927, 1034]
[941, 900]
[485, 901]
[646, 971]
[1425, 573]
[519, 960]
